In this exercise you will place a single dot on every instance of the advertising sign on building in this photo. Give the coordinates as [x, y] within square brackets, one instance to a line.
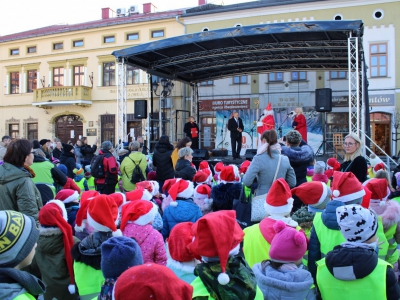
[224, 104]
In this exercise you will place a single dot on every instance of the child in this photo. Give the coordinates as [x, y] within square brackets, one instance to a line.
[395, 195]
[373, 161]
[165, 188]
[319, 172]
[332, 165]
[202, 197]
[90, 181]
[22, 235]
[228, 189]
[79, 179]
[180, 260]
[70, 199]
[82, 228]
[281, 277]
[70, 184]
[200, 177]
[118, 254]
[353, 267]
[217, 170]
[182, 208]
[222, 274]
[310, 173]
[136, 220]
[53, 254]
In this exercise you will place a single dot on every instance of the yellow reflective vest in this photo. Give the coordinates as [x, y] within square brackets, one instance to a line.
[24, 296]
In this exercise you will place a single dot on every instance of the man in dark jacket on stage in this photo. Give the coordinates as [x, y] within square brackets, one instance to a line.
[235, 126]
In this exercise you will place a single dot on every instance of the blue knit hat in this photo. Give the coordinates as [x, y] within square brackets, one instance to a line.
[63, 169]
[118, 254]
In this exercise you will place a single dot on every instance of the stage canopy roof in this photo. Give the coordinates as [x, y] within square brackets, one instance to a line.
[276, 47]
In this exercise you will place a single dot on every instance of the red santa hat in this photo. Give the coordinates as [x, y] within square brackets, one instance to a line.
[67, 196]
[313, 193]
[380, 166]
[244, 166]
[156, 187]
[279, 198]
[346, 187]
[119, 198]
[268, 108]
[102, 214]
[374, 161]
[182, 189]
[217, 234]
[202, 191]
[204, 165]
[81, 215]
[379, 190]
[146, 185]
[168, 183]
[179, 238]
[140, 212]
[54, 214]
[229, 174]
[218, 167]
[138, 194]
[200, 177]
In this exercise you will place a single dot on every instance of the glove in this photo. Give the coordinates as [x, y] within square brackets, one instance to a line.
[259, 124]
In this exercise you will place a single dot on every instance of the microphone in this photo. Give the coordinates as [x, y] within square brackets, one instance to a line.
[225, 117]
[260, 116]
[291, 113]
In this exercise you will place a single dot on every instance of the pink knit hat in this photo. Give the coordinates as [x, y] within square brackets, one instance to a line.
[288, 245]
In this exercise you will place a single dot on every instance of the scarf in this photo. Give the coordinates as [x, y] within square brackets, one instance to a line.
[32, 284]
[264, 147]
[91, 245]
[107, 289]
[242, 284]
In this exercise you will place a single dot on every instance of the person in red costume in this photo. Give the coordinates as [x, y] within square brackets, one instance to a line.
[268, 122]
[300, 123]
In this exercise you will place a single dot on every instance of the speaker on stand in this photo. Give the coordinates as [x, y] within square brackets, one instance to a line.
[199, 155]
[140, 111]
[250, 154]
[323, 103]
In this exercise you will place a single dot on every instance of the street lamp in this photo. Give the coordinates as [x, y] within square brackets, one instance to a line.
[167, 86]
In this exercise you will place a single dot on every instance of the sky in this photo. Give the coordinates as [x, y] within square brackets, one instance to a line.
[21, 15]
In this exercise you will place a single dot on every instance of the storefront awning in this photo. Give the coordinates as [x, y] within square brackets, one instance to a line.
[49, 104]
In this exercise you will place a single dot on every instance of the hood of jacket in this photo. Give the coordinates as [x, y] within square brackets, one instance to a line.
[329, 215]
[14, 282]
[294, 284]
[181, 164]
[299, 154]
[78, 178]
[50, 240]
[362, 261]
[162, 148]
[39, 159]
[9, 172]
[390, 212]
[186, 210]
[138, 233]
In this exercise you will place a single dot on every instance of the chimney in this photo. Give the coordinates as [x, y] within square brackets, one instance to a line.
[148, 8]
[202, 2]
[105, 13]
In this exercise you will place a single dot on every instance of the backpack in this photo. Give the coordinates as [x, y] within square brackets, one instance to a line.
[97, 167]
[137, 174]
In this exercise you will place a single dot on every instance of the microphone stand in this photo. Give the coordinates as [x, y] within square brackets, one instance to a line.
[222, 134]
[280, 126]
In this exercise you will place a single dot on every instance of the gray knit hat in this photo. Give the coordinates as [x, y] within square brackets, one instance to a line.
[319, 167]
[106, 145]
[18, 236]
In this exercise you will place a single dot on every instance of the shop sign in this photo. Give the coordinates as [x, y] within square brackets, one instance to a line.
[91, 132]
[224, 104]
[340, 101]
[381, 100]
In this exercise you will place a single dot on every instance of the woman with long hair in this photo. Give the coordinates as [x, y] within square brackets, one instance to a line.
[185, 142]
[354, 160]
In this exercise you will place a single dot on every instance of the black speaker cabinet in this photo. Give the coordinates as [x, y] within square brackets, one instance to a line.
[323, 100]
[250, 154]
[140, 109]
[200, 154]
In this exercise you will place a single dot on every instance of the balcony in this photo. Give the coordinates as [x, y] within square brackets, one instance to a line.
[62, 95]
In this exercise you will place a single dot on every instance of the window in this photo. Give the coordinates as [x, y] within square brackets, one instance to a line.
[109, 39]
[32, 129]
[338, 75]
[31, 49]
[378, 60]
[32, 80]
[277, 76]
[58, 46]
[78, 75]
[14, 52]
[209, 82]
[133, 75]
[58, 76]
[108, 74]
[13, 131]
[78, 43]
[299, 75]
[14, 82]
[240, 79]
[132, 36]
[157, 33]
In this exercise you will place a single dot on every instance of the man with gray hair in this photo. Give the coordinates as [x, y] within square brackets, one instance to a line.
[106, 185]
[3, 145]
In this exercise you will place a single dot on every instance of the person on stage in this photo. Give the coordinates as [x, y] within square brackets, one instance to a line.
[192, 130]
[235, 126]
[300, 123]
[267, 123]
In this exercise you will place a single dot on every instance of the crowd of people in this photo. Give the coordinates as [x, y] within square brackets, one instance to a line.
[87, 222]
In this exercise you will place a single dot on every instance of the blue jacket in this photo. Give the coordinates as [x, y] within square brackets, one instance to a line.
[314, 247]
[223, 195]
[185, 211]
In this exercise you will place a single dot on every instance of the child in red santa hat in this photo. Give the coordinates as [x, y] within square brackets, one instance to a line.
[202, 197]
[165, 188]
[82, 228]
[217, 170]
[332, 165]
[228, 189]
[70, 198]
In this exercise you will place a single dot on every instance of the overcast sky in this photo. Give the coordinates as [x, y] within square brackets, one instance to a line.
[22, 15]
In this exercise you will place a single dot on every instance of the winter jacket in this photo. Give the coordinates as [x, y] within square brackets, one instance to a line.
[175, 157]
[223, 195]
[183, 270]
[394, 180]
[57, 153]
[264, 167]
[300, 158]
[3, 150]
[81, 182]
[15, 283]
[50, 261]
[18, 192]
[162, 161]
[185, 211]
[301, 125]
[284, 285]
[320, 177]
[88, 151]
[358, 167]
[362, 261]
[127, 167]
[78, 154]
[110, 167]
[184, 169]
[47, 172]
[72, 209]
[68, 159]
[150, 241]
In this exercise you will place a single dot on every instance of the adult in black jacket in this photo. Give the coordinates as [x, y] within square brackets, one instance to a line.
[58, 150]
[184, 168]
[87, 150]
[67, 158]
[192, 131]
[162, 160]
[235, 126]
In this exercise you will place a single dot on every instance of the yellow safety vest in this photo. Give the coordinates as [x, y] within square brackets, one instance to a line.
[309, 178]
[371, 287]
[91, 184]
[392, 254]
[199, 290]
[87, 279]
[397, 199]
[25, 296]
[383, 242]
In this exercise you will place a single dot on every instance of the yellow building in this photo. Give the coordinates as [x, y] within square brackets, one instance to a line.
[60, 81]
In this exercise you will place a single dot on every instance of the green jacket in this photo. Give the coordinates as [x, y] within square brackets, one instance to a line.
[18, 192]
[127, 167]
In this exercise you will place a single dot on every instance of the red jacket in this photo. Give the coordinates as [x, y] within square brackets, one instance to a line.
[301, 125]
[110, 167]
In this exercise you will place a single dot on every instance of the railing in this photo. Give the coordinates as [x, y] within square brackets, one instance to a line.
[388, 158]
[63, 93]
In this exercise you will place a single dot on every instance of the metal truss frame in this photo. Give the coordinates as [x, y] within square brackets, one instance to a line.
[121, 103]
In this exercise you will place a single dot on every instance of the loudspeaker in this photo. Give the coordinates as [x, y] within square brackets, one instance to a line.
[140, 109]
[200, 154]
[250, 154]
[323, 100]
